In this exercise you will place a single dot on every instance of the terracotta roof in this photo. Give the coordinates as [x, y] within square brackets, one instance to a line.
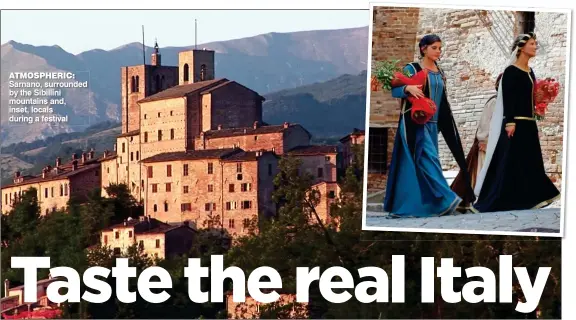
[183, 90]
[246, 156]
[146, 226]
[64, 172]
[192, 155]
[312, 150]
[232, 132]
[210, 89]
[130, 133]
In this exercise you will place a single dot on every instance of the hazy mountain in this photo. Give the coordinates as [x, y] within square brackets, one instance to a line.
[266, 63]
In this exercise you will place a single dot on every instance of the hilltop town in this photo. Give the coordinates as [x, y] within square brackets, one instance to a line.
[193, 149]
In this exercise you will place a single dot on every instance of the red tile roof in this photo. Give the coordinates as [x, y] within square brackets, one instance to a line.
[183, 90]
[233, 132]
[63, 171]
[313, 150]
[192, 155]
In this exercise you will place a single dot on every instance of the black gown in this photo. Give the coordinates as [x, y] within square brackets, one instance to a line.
[516, 179]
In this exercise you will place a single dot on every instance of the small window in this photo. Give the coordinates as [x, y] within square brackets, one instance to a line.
[145, 136]
[331, 195]
[171, 133]
[185, 189]
[141, 244]
[231, 187]
[154, 187]
[165, 206]
[239, 177]
[239, 167]
[159, 135]
[45, 192]
[117, 235]
[155, 208]
[105, 239]
[169, 170]
[168, 187]
[246, 204]
[210, 188]
[137, 155]
[131, 156]
[210, 168]
[123, 147]
[157, 243]
[150, 172]
[130, 234]
[327, 158]
[185, 170]
[231, 223]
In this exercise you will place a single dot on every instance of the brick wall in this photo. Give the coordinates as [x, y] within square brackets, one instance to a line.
[393, 37]
[234, 106]
[472, 60]
[130, 108]
[164, 116]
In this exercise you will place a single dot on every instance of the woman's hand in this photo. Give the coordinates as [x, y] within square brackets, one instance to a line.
[415, 91]
[482, 146]
[510, 130]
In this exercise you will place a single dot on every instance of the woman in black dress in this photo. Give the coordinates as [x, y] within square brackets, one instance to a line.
[513, 176]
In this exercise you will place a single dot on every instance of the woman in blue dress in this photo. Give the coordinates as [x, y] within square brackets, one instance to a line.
[416, 186]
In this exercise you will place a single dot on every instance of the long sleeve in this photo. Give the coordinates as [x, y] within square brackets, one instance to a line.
[509, 91]
[398, 92]
[484, 125]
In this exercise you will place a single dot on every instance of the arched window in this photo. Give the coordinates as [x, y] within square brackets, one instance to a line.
[186, 72]
[203, 72]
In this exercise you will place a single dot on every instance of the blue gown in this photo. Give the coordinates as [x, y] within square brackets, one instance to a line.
[416, 186]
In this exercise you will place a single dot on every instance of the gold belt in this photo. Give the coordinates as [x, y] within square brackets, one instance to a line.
[524, 118]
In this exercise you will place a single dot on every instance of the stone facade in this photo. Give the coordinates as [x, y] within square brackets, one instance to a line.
[476, 46]
[357, 137]
[225, 185]
[56, 185]
[318, 161]
[328, 192]
[157, 239]
[276, 138]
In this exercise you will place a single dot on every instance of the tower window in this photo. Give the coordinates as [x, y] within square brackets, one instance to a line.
[186, 72]
[137, 84]
[159, 135]
[133, 84]
[158, 84]
[203, 72]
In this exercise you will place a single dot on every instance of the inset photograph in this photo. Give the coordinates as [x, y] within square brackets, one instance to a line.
[466, 120]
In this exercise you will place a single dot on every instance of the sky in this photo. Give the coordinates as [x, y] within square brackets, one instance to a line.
[77, 31]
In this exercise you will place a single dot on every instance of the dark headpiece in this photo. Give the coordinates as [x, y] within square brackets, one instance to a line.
[522, 39]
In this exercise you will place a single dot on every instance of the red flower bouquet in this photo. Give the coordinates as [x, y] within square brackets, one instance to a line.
[545, 91]
[388, 77]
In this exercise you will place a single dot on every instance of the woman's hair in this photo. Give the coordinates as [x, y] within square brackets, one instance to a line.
[521, 40]
[498, 80]
[426, 41]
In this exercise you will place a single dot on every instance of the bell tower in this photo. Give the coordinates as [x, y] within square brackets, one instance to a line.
[195, 66]
[156, 55]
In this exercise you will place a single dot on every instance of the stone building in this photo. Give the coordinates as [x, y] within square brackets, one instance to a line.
[56, 185]
[156, 238]
[476, 48]
[355, 138]
[199, 150]
[252, 309]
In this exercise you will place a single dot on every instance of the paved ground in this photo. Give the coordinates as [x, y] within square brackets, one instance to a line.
[542, 220]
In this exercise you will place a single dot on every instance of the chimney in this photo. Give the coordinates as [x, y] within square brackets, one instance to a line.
[83, 157]
[74, 156]
[124, 222]
[44, 173]
[219, 127]
[256, 125]
[286, 125]
[74, 165]
[16, 174]
[58, 161]
[114, 147]
[91, 154]
[105, 153]
[6, 287]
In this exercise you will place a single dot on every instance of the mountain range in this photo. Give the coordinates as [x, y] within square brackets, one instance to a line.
[268, 63]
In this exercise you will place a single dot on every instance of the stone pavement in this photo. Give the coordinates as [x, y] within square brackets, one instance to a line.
[541, 220]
